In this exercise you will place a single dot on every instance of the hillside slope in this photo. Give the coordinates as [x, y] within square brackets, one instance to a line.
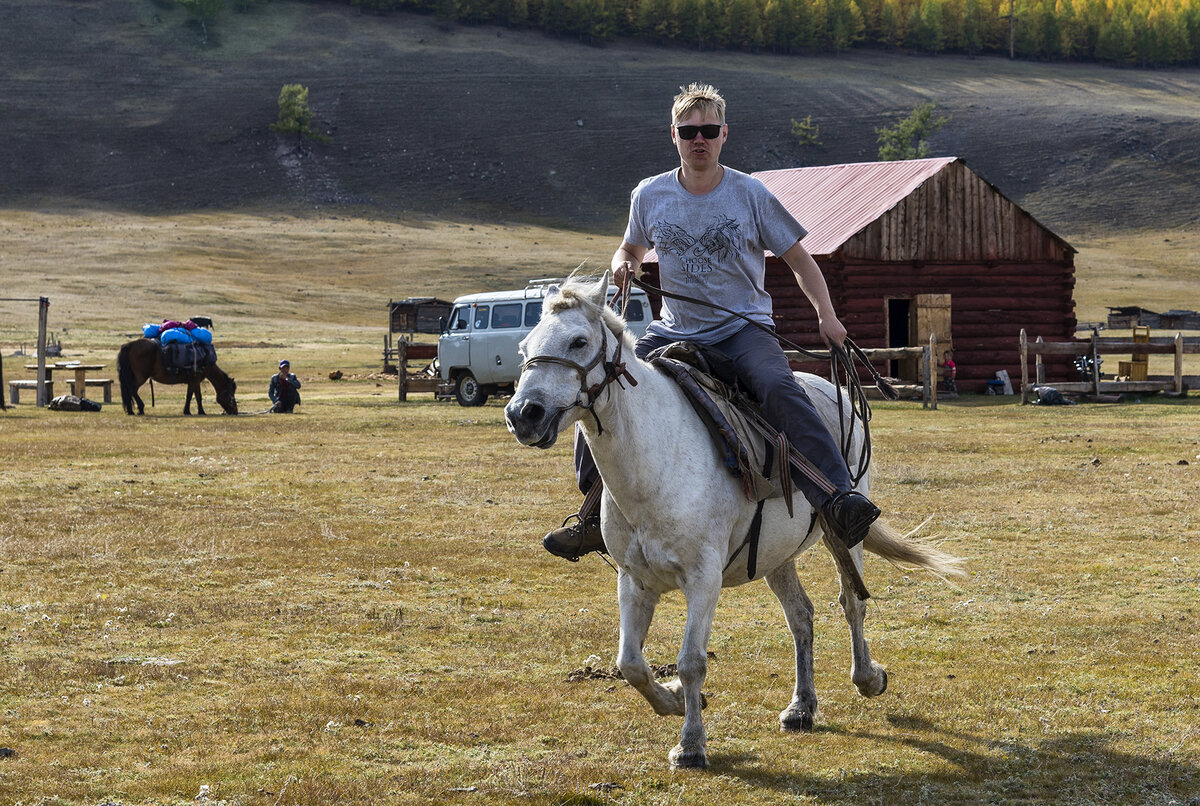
[118, 104]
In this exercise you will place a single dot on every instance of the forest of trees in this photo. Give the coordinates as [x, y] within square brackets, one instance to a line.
[1145, 33]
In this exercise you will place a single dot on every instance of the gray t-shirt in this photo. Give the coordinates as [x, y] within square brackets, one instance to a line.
[710, 247]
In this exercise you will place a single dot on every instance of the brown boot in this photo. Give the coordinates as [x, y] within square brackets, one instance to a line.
[580, 538]
[583, 536]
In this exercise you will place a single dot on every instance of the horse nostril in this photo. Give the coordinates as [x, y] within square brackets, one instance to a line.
[532, 412]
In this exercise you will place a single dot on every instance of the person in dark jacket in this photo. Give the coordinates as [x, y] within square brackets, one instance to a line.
[284, 389]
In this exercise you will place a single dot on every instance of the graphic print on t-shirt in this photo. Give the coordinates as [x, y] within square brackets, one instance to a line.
[698, 255]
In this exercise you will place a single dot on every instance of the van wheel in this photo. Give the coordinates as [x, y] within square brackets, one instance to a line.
[468, 392]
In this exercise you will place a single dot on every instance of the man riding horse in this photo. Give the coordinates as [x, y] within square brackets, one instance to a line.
[710, 225]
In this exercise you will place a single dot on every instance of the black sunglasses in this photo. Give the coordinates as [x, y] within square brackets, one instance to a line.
[710, 131]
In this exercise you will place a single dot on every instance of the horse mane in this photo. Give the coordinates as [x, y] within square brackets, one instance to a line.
[575, 292]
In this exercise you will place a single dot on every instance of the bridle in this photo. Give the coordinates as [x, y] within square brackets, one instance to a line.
[614, 372]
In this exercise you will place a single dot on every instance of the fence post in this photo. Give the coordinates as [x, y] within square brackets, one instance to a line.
[1024, 368]
[1178, 363]
[1096, 362]
[43, 396]
[933, 380]
[402, 367]
[1039, 378]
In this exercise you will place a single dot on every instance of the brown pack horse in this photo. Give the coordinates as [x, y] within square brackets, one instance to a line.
[141, 360]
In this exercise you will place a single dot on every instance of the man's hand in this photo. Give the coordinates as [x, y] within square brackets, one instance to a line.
[621, 271]
[625, 261]
[832, 331]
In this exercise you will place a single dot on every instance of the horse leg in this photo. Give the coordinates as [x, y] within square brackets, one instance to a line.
[141, 406]
[637, 611]
[798, 610]
[195, 390]
[701, 592]
[869, 677]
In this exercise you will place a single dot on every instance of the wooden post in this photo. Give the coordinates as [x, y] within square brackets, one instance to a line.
[2, 387]
[402, 368]
[1039, 378]
[43, 394]
[933, 378]
[925, 377]
[1096, 362]
[1178, 364]
[1024, 368]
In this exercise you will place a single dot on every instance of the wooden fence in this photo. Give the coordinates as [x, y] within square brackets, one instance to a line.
[1095, 347]
[926, 389]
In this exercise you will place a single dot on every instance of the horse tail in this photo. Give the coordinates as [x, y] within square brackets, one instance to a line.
[907, 551]
[125, 375]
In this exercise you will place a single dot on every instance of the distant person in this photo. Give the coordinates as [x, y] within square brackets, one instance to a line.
[950, 372]
[284, 390]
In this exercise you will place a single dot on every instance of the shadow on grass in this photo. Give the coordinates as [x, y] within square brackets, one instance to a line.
[1077, 768]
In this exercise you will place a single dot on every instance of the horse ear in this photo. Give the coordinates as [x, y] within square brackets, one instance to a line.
[600, 292]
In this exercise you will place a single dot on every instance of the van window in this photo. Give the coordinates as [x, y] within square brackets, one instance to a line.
[481, 317]
[460, 318]
[533, 313]
[634, 312]
[507, 315]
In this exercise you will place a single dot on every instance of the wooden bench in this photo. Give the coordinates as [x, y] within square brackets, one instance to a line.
[15, 387]
[106, 383]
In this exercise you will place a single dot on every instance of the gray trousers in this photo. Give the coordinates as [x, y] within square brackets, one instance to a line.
[763, 368]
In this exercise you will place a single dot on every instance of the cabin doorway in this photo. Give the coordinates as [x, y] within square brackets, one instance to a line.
[910, 323]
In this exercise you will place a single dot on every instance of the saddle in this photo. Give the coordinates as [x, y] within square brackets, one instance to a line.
[710, 383]
[752, 450]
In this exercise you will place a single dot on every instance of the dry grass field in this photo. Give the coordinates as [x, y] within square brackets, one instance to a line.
[351, 605]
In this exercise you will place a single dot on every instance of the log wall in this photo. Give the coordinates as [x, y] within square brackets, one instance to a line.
[989, 306]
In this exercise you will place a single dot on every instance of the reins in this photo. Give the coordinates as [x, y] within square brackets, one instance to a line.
[842, 370]
[614, 372]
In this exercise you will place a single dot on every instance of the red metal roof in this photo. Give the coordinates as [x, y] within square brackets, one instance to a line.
[834, 202]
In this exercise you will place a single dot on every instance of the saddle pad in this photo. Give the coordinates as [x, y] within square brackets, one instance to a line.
[743, 449]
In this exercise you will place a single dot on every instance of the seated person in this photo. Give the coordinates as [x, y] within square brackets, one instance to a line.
[284, 389]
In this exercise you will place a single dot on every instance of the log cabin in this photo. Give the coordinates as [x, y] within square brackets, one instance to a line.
[918, 247]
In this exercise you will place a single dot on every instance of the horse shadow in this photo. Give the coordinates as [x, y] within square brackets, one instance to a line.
[1075, 768]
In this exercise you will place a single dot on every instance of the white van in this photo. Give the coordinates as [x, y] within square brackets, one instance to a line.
[477, 351]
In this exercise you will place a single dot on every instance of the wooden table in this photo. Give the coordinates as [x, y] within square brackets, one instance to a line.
[79, 385]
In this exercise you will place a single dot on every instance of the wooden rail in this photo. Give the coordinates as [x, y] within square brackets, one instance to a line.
[1094, 347]
[924, 356]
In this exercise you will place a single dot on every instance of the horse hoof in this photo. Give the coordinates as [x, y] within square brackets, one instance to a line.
[875, 686]
[687, 759]
[795, 723]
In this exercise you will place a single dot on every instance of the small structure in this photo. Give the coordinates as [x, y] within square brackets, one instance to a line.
[1132, 316]
[916, 248]
[417, 315]
[412, 316]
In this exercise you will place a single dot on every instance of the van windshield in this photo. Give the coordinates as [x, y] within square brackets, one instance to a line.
[459, 318]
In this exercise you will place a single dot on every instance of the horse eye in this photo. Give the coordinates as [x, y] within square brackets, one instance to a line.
[579, 343]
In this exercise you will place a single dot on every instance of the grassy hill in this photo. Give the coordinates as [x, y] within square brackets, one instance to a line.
[120, 104]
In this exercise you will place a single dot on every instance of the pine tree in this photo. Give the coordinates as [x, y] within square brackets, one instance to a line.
[295, 116]
[908, 139]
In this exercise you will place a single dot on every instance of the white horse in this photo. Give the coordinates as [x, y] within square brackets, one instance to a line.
[673, 517]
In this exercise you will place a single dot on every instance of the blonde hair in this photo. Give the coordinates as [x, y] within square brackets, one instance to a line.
[695, 97]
